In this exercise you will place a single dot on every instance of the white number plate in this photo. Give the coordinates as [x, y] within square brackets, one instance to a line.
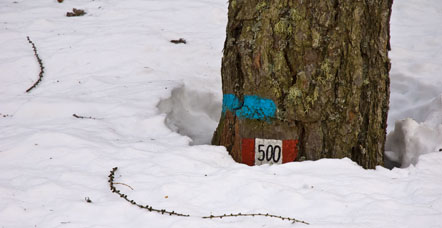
[268, 151]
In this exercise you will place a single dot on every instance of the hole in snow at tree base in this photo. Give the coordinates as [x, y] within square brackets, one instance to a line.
[192, 113]
[196, 114]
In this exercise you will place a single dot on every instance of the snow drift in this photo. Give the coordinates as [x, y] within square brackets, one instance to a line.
[410, 138]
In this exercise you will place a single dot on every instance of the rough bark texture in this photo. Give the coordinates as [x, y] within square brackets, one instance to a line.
[325, 65]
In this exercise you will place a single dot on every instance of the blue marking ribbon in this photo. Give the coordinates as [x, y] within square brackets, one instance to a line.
[253, 107]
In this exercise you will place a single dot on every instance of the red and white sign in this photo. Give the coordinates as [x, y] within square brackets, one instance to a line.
[268, 151]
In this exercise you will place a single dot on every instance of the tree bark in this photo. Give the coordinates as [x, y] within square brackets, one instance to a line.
[315, 71]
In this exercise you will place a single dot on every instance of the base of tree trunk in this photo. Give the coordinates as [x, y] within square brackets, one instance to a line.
[314, 72]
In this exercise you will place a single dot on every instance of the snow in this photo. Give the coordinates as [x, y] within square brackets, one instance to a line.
[116, 65]
[416, 82]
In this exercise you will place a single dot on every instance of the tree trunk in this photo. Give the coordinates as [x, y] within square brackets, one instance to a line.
[312, 73]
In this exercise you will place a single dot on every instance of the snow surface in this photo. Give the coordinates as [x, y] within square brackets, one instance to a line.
[416, 81]
[116, 65]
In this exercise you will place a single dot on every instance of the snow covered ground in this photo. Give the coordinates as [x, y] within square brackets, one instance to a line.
[116, 65]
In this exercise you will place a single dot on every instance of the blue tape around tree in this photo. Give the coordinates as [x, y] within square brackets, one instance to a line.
[253, 107]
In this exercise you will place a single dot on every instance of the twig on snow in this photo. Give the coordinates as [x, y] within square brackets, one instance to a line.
[255, 214]
[124, 185]
[83, 117]
[147, 207]
[40, 62]
[164, 211]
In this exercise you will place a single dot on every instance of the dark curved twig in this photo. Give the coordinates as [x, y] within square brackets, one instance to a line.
[147, 207]
[40, 62]
[255, 214]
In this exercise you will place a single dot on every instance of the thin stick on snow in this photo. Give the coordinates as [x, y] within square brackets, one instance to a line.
[293, 220]
[40, 62]
[83, 117]
[167, 212]
[124, 185]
